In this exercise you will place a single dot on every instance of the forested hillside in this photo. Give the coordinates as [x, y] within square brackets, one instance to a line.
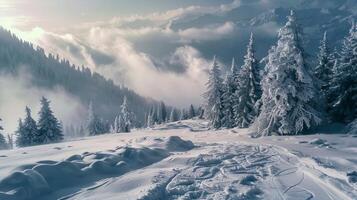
[50, 71]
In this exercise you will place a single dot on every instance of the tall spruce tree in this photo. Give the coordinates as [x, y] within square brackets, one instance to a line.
[248, 89]
[191, 112]
[3, 144]
[49, 128]
[1, 128]
[161, 113]
[27, 132]
[343, 87]
[173, 115]
[227, 101]
[126, 116]
[183, 114]
[289, 94]
[323, 71]
[214, 104]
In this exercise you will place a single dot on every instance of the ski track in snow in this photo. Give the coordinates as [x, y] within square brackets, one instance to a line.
[160, 168]
[247, 172]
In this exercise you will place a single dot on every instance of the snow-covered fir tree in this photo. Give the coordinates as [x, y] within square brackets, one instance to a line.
[1, 128]
[191, 112]
[10, 141]
[248, 89]
[27, 132]
[213, 96]
[152, 117]
[201, 112]
[116, 125]
[49, 128]
[323, 70]
[126, 116]
[289, 94]
[173, 115]
[121, 125]
[227, 101]
[161, 113]
[94, 124]
[183, 114]
[3, 144]
[343, 87]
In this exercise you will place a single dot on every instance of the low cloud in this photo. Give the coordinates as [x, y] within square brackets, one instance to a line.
[207, 33]
[17, 92]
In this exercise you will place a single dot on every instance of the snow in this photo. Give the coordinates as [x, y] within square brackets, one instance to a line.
[184, 160]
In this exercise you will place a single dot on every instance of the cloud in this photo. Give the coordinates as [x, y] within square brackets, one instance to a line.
[207, 33]
[17, 92]
[136, 70]
[162, 18]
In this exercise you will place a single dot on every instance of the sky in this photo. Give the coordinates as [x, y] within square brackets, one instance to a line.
[56, 14]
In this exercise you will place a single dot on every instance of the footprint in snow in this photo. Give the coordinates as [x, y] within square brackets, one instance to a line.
[58, 148]
[352, 177]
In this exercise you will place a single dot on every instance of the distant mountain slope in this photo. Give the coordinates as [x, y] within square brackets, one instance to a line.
[48, 71]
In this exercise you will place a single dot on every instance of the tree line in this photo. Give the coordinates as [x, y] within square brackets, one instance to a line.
[288, 96]
[160, 114]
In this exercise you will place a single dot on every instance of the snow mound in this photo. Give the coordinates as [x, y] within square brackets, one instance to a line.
[352, 127]
[175, 143]
[352, 177]
[320, 143]
[48, 176]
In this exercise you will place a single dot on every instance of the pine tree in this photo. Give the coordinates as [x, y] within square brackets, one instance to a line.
[49, 128]
[191, 112]
[10, 141]
[116, 125]
[201, 112]
[248, 89]
[227, 101]
[173, 115]
[3, 144]
[214, 107]
[153, 116]
[1, 128]
[150, 122]
[343, 87]
[183, 115]
[27, 132]
[162, 113]
[94, 126]
[126, 116]
[289, 94]
[323, 70]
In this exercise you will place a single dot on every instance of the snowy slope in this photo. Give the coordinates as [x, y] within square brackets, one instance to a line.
[155, 164]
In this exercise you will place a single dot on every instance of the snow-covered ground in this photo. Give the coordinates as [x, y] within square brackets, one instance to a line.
[184, 161]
